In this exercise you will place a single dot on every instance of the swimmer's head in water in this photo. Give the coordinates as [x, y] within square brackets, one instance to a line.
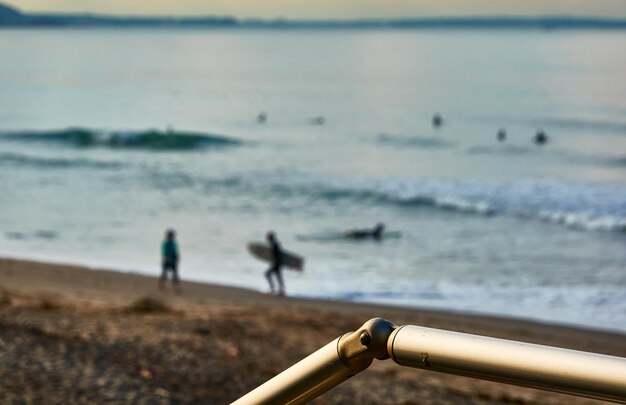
[437, 120]
[501, 134]
[541, 137]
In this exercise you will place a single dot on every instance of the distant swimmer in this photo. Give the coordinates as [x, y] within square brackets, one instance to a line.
[275, 265]
[540, 137]
[320, 120]
[262, 117]
[501, 135]
[169, 261]
[376, 233]
[437, 120]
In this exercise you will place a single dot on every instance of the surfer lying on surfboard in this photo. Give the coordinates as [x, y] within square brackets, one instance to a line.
[376, 233]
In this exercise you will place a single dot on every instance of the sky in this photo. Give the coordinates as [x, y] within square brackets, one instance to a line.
[333, 9]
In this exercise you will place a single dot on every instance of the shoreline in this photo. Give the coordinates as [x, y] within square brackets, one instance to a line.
[198, 292]
[85, 284]
[252, 294]
[214, 343]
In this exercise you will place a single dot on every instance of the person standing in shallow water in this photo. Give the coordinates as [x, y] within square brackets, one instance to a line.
[275, 265]
[170, 259]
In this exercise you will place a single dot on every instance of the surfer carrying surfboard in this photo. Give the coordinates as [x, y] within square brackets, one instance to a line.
[278, 258]
[275, 265]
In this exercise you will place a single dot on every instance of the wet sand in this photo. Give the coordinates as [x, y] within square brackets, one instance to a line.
[75, 335]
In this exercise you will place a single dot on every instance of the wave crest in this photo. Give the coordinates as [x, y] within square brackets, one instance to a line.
[148, 140]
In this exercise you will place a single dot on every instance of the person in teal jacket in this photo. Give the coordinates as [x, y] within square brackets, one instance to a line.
[170, 258]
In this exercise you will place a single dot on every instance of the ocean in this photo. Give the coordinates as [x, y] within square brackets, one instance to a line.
[110, 136]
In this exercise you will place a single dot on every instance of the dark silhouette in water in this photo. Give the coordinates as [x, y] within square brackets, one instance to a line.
[262, 117]
[540, 137]
[275, 266]
[319, 120]
[501, 135]
[376, 233]
[437, 120]
[170, 258]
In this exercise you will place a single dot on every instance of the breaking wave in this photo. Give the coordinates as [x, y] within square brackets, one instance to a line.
[147, 140]
[584, 206]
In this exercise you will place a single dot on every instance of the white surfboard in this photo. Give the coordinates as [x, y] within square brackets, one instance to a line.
[263, 251]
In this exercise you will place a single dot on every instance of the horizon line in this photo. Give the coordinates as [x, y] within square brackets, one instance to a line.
[478, 17]
[12, 16]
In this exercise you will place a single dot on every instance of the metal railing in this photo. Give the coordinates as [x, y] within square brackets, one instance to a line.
[549, 368]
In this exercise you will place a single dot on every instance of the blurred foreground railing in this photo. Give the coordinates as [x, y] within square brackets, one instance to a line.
[529, 365]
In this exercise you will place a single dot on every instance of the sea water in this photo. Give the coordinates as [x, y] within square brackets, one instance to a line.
[108, 137]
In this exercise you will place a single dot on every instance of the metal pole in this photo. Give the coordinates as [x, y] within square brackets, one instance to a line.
[326, 368]
[548, 368]
[303, 381]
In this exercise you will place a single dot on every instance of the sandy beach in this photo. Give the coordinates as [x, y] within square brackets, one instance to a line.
[77, 335]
